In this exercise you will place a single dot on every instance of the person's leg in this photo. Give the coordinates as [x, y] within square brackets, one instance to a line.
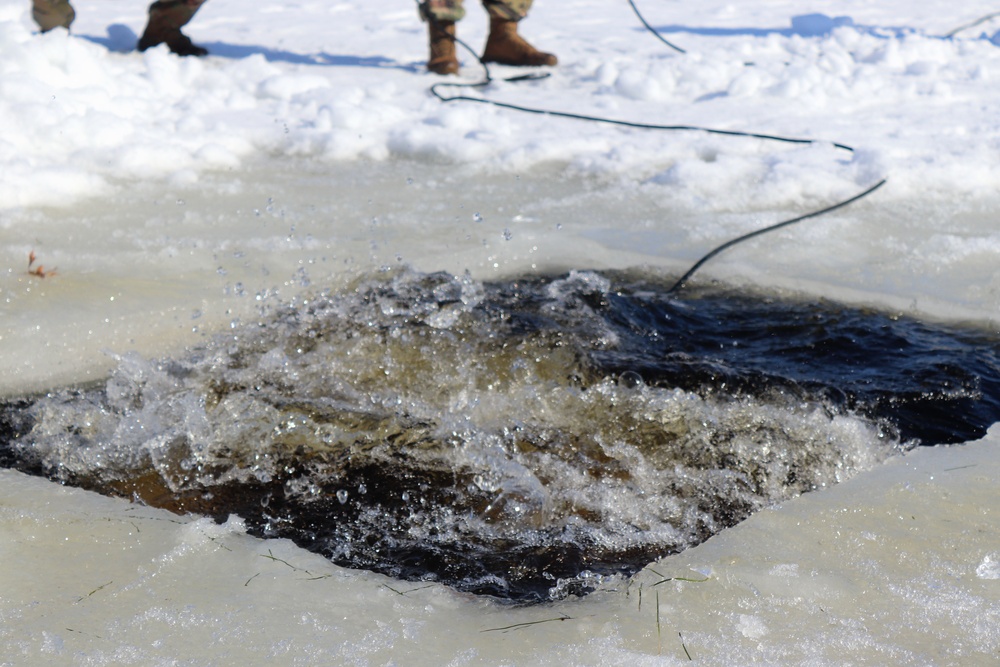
[166, 18]
[441, 16]
[504, 45]
[512, 10]
[49, 14]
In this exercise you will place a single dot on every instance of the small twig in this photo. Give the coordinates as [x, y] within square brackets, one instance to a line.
[216, 541]
[247, 582]
[684, 647]
[84, 597]
[979, 21]
[271, 556]
[659, 639]
[397, 592]
[971, 465]
[81, 632]
[664, 579]
[137, 508]
[518, 626]
[420, 588]
[38, 271]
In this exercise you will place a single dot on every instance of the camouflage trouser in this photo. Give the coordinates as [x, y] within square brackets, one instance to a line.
[452, 10]
[49, 14]
[173, 14]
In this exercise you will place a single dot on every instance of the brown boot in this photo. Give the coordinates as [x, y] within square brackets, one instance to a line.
[166, 18]
[506, 47]
[443, 59]
[49, 14]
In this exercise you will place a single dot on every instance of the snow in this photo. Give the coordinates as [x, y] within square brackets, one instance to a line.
[914, 104]
[173, 193]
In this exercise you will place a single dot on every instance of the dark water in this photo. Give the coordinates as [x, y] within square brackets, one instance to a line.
[521, 439]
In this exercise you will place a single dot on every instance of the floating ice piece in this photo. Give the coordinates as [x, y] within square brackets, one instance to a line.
[990, 567]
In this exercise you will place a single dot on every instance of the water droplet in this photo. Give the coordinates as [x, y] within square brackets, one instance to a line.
[630, 379]
[476, 217]
[507, 236]
[342, 496]
[303, 277]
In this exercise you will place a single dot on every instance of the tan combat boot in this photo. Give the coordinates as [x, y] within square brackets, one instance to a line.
[443, 59]
[166, 18]
[49, 14]
[506, 47]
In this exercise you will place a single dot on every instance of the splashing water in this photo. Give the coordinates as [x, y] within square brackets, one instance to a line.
[524, 439]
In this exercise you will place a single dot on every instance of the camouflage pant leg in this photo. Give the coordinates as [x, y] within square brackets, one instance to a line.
[512, 10]
[172, 14]
[452, 10]
[442, 10]
[49, 14]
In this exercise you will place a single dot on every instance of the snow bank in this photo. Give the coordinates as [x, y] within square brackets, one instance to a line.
[80, 116]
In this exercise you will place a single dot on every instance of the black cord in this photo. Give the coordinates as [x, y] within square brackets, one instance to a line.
[967, 26]
[622, 123]
[697, 265]
[654, 30]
